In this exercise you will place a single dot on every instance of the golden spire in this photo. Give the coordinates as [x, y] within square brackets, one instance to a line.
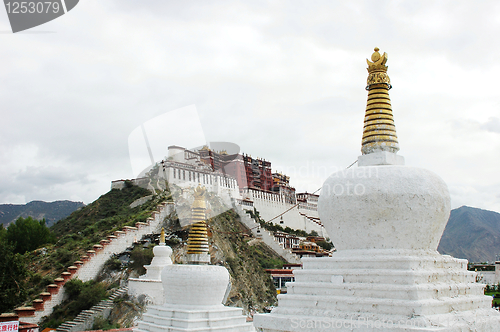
[162, 237]
[198, 238]
[379, 133]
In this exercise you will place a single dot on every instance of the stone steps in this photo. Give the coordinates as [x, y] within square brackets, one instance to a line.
[392, 291]
[298, 304]
[392, 262]
[182, 318]
[92, 267]
[159, 328]
[63, 329]
[266, 236]
[85, 319]
[386, 276]
[168, 311]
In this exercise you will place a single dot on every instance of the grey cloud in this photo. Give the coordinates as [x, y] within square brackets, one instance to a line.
[43, 182]
[78, 93]
[492, 125]
[46, 176]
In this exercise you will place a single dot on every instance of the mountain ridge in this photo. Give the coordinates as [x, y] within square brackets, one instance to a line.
[50, 211]
[473, 234]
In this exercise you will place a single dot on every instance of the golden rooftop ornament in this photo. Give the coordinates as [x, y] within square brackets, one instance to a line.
[198, 238]
[379, 133]
[162, 237]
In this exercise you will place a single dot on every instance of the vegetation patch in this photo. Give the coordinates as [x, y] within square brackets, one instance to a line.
[80, 296]
[252, 287]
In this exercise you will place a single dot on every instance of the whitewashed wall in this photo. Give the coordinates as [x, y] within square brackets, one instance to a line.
[270, 205]
[91, 269]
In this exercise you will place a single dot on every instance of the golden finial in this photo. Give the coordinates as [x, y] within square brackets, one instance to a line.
[162, 237]
[199, 199]
[377, 69]
[197, 249]
[379, 133]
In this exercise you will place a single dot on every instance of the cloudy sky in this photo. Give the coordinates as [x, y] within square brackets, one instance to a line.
[285, 80]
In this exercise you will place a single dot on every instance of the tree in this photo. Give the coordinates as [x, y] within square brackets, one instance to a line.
[3, 233]
[325, 245]
[28, 234]
[140, 257]
[13, 273]
[313, 233]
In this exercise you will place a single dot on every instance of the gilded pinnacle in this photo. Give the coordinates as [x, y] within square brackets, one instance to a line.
[162, 236]
[198, 238]
[379, 133]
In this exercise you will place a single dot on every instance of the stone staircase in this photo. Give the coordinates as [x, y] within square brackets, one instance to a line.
[85, 319]
[92, 263]
[266, 236]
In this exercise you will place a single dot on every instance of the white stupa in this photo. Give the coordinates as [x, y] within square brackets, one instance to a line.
[193, 293]
[150, 283]
[386, 221]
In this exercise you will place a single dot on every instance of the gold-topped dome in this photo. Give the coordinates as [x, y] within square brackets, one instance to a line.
[379, 133]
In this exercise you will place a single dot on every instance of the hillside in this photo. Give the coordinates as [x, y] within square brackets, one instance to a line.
[245, 260]
[76, 234]
[52, 212]
[108, 211]
[473, 234]
[231, 246]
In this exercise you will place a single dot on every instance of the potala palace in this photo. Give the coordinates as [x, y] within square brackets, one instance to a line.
[238, 179]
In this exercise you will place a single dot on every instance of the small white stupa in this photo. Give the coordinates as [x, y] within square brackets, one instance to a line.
[193, 293]
[386, 221]
[150, 284]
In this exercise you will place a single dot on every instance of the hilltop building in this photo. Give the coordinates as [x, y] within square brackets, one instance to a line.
[281, 276]
[488, 274]
[239, 179]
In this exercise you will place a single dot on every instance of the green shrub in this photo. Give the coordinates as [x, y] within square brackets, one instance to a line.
[113, 264]
[101, 323]
[73, 287]
[325, 245]
[140, 257]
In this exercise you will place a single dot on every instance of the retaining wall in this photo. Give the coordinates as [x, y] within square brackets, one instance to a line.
[266, 236]
[90, 267]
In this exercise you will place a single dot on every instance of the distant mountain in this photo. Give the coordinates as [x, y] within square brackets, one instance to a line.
[473, 234]
[52, 212]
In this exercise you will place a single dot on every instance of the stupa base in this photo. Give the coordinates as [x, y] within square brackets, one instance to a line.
[153, 289]
[379, 290]
[478, 321]
[193, 318]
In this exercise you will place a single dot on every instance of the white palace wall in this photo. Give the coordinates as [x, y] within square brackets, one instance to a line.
[224, 186]
[270, 205]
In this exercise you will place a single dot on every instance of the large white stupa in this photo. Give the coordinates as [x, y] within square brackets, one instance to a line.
[386, 221]
[193, 293]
